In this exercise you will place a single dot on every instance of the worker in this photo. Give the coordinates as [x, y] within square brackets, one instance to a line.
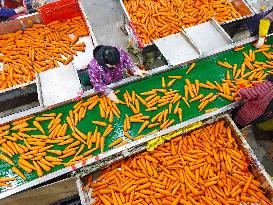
[264, 28]
[256, 24]
[7, 11]
[258, 104]
[108, 66]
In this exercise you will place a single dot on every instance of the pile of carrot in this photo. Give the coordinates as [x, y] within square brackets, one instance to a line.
[39, 48]
[202, 167]
[246, 74]
[158, 18]
[36, 151]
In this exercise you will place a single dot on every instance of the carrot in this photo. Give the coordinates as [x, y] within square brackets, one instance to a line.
[171, 82]
[19, 173]
[117, 141]
[210, 183]
[52, 159]
[190, 68]
[178, 77]
[99, 123]
[262, 196]
[163, 82]
[79, 151]
[4, 184]
[19, 126]
[26, 163]
[143, 126]
[151, 159]
[39, 127]
[245, 198]
[186, 102]
[247, 184]
[234, 194]
[165, 192]
[177, 200]
[197, 98]
[65, 155]
[6, 159]
[104, 200]
[3, 180]
[57, 152]
[176, 108]
[180, 114]
[44, 166]
[102, 139]
[142, 181]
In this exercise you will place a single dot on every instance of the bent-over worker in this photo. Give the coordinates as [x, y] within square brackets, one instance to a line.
[108, 66]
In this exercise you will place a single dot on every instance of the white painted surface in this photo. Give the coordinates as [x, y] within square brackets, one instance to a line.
[59, 85]
[176, 49]
[83, 58]
[206, 37]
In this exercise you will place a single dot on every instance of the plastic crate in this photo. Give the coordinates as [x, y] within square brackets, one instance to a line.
[60, 10]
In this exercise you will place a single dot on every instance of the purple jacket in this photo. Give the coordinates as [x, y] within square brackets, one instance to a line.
[101, 77]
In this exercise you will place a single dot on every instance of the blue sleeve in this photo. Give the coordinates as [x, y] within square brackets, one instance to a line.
[7, 12]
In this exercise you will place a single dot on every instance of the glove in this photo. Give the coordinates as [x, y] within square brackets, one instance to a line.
[19, 10]
[264, 27]
[260, 42]
[112, 96]
[141, 73]
[239, 92]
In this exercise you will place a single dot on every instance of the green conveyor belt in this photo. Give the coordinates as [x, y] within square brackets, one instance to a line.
[206, 69]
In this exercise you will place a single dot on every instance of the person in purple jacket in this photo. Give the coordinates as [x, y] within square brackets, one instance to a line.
[108, 66]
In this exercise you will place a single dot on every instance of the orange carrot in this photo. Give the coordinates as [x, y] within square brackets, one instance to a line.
[19, 173]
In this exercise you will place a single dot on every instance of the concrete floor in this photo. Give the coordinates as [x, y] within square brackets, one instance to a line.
[105, 17]
[45, 195]
[263, 149]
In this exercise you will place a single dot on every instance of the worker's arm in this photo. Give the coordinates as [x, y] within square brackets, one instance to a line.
[128, 64]
[98, 83]
[264, 28]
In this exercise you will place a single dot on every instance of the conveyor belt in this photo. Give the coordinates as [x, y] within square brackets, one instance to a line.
[206, 69]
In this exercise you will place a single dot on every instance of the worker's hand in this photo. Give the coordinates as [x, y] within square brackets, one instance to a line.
[260, 42]
[19, 10]
[112, 96]
[141, 73]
